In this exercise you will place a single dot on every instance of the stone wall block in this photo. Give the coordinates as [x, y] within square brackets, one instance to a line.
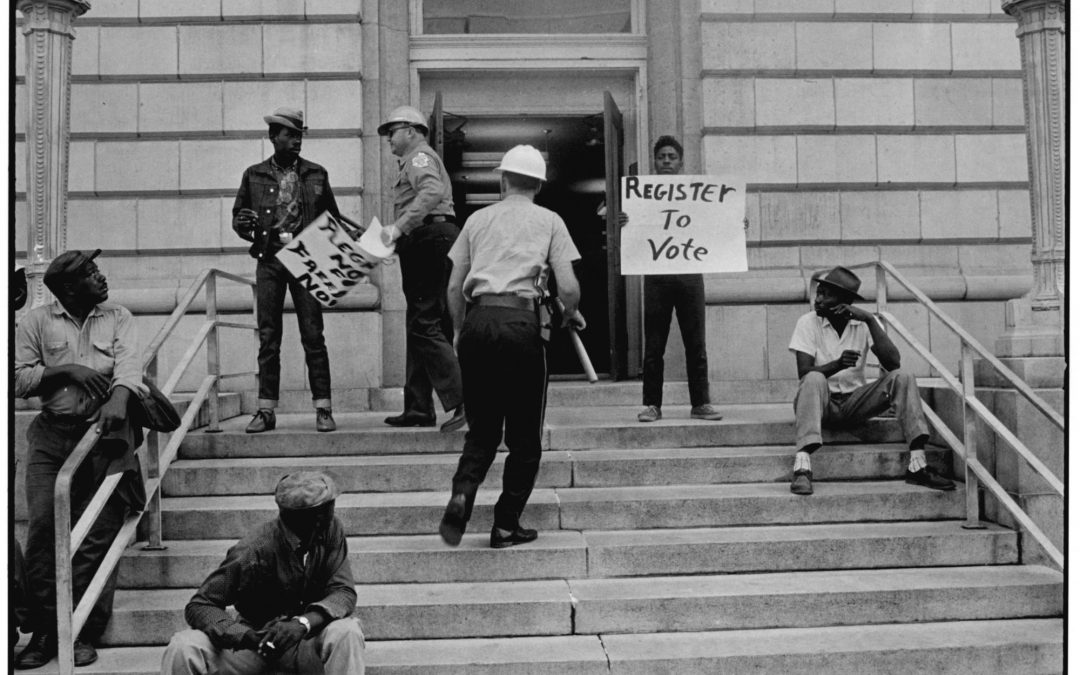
[114, 9]
[727, 6]
[874, 102]
[342, 157]
[973, 8]
[877, 216]
[224, 50]
[104, 108]
[160, 10]
[916, 159]
[753, 214]
[956, 214]
[354, 345]
[1014, 214]
[179, 223]
[334, 104]
[247, 102]
[180, 107]
[748, 46]
[923, 255]
[312, 48]
[101, 223]
[886, 8]
[991, 158]
[985, 321]
[85, 51]
[760, 159]
[21, 226]
[794, 103]
[217, 164]
[328, 8]
[779, 324]
[81, 169]
[275, 10]
[985, 46]
[137, 165]
[800, 216]
[953, 102]
[834, 46]
[728, 102]
[894, 46]
[138, 50]
[915, 318]
[736, 340]
[1008, 106]
[837, 159]
[788, 7]
[22, 110]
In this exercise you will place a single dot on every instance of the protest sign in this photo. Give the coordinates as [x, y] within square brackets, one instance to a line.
[326, 260]
[683, 225]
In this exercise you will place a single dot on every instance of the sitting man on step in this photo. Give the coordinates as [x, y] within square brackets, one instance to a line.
[291, 585]
[830, 346]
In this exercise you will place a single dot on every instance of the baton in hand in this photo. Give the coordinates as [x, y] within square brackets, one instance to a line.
[579, 346]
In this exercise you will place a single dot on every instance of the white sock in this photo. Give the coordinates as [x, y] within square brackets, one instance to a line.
[802, 461]
[917, 460]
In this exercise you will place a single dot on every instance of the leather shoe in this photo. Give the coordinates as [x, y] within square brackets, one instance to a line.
[410, 419]
[456, 421]
[324, 420]
[453, 521]
[519, 535]
[263, 420]
[650, 414]
[928, 477]
[41, 650]
[705, 412]
[85, 654]
[803, 483]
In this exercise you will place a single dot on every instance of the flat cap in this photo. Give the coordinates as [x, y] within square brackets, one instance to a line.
[66, 266]
[305, 490]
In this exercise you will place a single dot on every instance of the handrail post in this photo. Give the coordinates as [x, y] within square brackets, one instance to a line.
[65, 603]
[213, 354]
[153, 470]
[971, 483]
[882, 291]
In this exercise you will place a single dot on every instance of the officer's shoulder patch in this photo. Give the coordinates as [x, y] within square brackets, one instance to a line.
[421, 160]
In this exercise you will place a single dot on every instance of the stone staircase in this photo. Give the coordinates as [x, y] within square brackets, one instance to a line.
[673, 547]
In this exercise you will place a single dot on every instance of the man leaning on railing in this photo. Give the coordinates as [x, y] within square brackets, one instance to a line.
[79, 354]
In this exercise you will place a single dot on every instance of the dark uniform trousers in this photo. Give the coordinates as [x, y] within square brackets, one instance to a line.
[430, 363]
[50, 441]
[685, 294]
[504, 370]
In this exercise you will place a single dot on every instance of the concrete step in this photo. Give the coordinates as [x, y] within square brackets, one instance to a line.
[613, 553]
[656, 604]
[616, 508]
[994, 647]
[559, 468]
[568, 428]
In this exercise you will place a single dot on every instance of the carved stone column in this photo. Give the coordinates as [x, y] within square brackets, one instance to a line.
[49, 36]
[1034, 340]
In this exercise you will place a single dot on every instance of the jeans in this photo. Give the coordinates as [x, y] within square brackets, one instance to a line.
[49, 444]
[430, 363]
[504, 368]
[271, 282]
[685, 294]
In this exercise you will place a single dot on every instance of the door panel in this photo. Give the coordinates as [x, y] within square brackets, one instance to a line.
[616, 287]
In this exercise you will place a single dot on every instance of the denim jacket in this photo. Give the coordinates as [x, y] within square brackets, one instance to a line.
[258, 191]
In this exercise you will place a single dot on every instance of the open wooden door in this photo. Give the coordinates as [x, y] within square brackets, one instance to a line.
[616, 287]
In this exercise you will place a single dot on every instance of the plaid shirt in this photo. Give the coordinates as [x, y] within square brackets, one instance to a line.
[266, 576]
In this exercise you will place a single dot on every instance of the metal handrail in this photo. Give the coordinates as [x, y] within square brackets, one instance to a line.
[69, 618]
[973, 409]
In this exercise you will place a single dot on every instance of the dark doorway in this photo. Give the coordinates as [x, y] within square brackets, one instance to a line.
[574, 149]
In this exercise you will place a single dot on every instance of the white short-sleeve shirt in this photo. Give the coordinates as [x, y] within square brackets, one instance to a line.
[814, 335]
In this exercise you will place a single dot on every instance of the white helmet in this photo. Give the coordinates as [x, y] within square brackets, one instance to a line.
[408, 115]
[525, 160]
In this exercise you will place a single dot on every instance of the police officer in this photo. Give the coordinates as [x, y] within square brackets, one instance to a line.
[493, 301]
[424, 228]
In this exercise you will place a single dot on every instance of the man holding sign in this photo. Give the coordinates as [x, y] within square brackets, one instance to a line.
[277, 199]
[674, 239]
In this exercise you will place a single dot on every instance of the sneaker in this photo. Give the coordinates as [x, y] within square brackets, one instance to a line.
[928, 477]
[803, 482]
[705, 412]
[649, 414]
[85, 654]
[41, 650]
[263, 420]
[456, 421]
[324, 420]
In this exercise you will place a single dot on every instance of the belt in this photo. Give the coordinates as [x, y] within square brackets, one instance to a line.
[511, 301]
[439, 219]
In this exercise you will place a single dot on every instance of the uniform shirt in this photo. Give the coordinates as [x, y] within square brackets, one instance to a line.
[422, 189]
[509, 245]
[266, 576]
[49, 336]
[814, 335]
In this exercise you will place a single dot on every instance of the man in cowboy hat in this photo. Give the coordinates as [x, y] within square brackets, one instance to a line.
[293, 590]
[830, 346]
[277, 198]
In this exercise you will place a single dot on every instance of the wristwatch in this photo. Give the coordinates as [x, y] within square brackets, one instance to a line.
[305, 623]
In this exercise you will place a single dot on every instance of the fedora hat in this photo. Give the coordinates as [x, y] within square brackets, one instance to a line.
[841, 278]
[290, 117]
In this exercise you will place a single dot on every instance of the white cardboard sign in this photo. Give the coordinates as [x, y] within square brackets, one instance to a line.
[683, 224]
[326, 260]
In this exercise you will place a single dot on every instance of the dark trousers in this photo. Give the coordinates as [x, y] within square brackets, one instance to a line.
[430, 364]
[50, 443]
[685, 294]
[504, 368]
[271, 282]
